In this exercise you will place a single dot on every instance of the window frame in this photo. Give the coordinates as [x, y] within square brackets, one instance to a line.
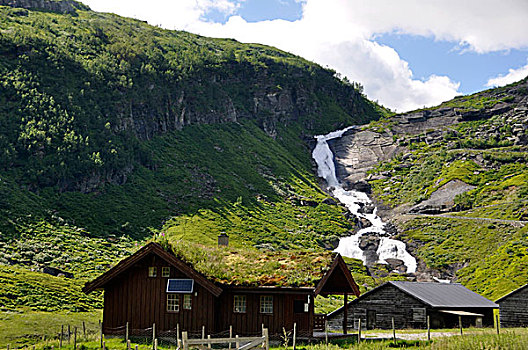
[165, 271]
[187, 302]
[266, 304]
[173, 302]
[239, 304]
[152, 272]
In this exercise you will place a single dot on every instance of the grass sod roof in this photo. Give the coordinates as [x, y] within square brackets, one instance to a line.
[254, 268]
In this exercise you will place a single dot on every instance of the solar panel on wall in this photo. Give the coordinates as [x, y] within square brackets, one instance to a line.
[180, 286]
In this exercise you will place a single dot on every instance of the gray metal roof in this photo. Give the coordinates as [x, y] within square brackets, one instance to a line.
[443, 294]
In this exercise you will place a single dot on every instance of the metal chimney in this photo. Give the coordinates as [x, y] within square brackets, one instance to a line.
[223, 240]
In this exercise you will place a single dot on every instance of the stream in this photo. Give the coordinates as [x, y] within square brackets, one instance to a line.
[357, 202]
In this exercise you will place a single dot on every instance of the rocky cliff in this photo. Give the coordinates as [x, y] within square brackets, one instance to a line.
[59, 6]
[359, 152]
[454, 181]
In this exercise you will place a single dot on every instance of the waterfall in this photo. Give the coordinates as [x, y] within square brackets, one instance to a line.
[355, 201]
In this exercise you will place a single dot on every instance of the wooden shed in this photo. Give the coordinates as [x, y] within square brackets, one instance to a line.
[514, 308]
[155, 286]
[409, 303]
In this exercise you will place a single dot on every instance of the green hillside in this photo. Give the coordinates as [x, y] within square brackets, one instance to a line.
[481, 238]
[112, 130]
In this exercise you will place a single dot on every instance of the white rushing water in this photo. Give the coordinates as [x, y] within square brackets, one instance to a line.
[354, 201]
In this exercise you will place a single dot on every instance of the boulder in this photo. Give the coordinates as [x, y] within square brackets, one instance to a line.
[329, 201]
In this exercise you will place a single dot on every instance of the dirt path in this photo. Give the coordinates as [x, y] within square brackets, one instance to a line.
[518, 222]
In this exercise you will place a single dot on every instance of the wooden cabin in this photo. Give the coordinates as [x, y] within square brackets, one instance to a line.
[154, 286]
[514, 308]
[410, 303]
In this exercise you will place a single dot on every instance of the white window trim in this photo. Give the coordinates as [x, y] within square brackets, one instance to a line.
[177, 304]
[265, 307]
[152, 271]
[165, 271]
[244, 304]
[187, 302]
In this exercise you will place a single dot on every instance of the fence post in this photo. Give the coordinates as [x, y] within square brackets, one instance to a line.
[460, 324]
[101, 328]
[177, 333]
[128, 344]
[84, 329]
[428, 328]
[153, 335]
[126, 332]
[61, 335]
[184, 341]
[294, 334]
[393, 331]
[497, 323]
[266, 337]
[326, 332]
[156, 344]
[230, 335]
[237, 343]
[74, 338]
[209, 338]
[203, 332]
[359, 330]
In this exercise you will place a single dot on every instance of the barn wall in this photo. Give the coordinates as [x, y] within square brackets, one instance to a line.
[140, 300]
[385, 303]
[514, 309]
[251, 322]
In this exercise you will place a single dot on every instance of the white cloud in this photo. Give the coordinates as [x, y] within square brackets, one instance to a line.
[172, 14]
[479, 25]
[341, 34]
[512, 76]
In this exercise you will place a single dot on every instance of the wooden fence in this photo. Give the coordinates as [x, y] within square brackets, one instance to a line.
[241, 343]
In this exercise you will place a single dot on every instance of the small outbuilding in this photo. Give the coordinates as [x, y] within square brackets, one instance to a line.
[514, 308]
[410, 303]
[189, 286]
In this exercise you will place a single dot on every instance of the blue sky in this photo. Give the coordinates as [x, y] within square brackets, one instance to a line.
[406, 53]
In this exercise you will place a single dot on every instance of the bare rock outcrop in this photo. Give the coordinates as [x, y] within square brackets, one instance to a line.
[63, 6]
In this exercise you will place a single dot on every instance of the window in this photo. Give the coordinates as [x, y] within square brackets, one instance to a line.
[239, 304]
[419, 315]
[266, 304]
[187, 301]
[153, 271]
[173, 302]
[165, 272]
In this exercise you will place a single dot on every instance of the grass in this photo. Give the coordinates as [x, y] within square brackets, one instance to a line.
[41, 329]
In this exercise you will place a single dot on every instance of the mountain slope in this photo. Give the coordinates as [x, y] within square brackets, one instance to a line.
[453, 180]
[111, 130]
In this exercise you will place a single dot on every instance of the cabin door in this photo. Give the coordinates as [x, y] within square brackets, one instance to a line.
[371, 319]
[301, 316]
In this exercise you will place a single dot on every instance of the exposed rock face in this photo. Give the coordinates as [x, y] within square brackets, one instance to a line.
[63, 6]
[361, 150]
[357, 152]
[442, 200]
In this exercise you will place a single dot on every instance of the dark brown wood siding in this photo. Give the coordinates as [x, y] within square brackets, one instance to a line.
[514, 309]
[140, 300]
[251, 321]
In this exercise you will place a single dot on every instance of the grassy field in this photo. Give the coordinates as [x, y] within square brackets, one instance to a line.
[20, 330]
